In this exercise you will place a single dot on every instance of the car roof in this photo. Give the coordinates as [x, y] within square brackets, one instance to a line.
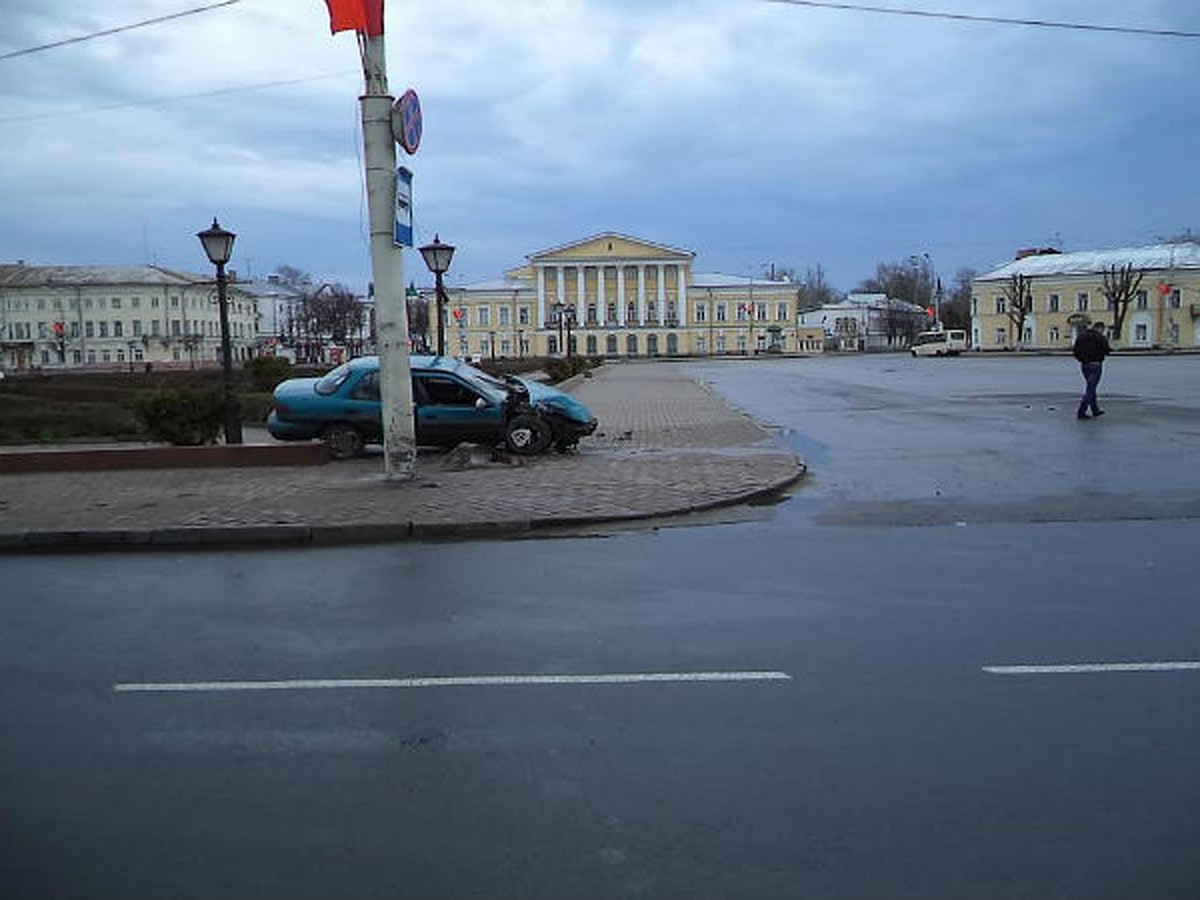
[423, 362]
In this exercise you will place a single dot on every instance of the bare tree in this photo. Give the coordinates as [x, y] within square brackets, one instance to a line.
[956, 310]
[912, 281]
[332, 309]
[1121, 285]
[1019, 302]
[814, 290]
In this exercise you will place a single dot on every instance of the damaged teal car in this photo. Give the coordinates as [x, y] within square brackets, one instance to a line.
[455, 402]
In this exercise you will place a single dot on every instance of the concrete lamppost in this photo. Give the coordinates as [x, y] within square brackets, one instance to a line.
[218, 245]
[437, 258]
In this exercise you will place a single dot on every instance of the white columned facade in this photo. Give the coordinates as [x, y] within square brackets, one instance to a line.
[682, 303]
[600, 298]
[641, 298]
[541, 297]
[562, 284]
[661, 290]
[621, 272]
[580, 293]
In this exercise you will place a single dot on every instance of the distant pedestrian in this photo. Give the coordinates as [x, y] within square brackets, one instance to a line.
[1090, 348]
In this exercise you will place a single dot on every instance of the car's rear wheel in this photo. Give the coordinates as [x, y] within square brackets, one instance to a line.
[343, 441]
[527, 434]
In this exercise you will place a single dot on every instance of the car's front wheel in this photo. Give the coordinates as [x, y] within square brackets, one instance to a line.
[527, 434]
[343, 441]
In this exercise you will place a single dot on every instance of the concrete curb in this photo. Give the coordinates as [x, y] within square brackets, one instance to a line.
[293, 535]
[106, 459]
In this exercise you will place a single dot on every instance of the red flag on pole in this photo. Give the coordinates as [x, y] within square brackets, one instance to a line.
[365, 16]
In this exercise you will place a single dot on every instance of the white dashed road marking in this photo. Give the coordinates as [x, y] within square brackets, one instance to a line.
[309, 684]
[1092, 668]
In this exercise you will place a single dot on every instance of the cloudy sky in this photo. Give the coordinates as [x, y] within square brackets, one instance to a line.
[751, 132]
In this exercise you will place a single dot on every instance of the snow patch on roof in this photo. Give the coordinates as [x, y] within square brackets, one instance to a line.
[1184, 255]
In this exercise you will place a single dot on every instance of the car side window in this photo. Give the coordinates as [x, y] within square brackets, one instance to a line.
[447, 392]
[367, 387]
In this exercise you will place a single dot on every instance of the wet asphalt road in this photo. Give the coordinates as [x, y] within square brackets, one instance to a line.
[888, 764]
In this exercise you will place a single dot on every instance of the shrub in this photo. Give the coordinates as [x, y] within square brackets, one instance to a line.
[560, 368]
[267, 371]
[185, 418]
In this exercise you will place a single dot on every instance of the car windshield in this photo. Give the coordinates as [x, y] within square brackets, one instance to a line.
[489, 384]
[332, 380]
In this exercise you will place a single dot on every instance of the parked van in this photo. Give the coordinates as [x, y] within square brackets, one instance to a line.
[940, 343]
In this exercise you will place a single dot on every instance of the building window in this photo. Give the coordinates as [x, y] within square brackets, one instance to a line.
[76, 356]
[103, 329]
[760, 311]
[118, 329]
[1001, 305]
[41, 329]
[120, 356]
[1000, 336]
[485, 315]
[1052, 303]
[611, 312]
[701, 312]
[720, 343]
[1141, 300]
[155, 327]
[175, 328]
[1081, 302]
[116, 302]
[591, 313]
[741, 343]
[1173, 332]
[1139, 332]
[610, 345]
[523, 315]
[137, 327]
[136, 303]
[741, 312]
[631, 344]
[505, 317]
[89, 329]
[91, 356]
[45, 357]
[505, 347]
[106, 355]
[591, 345]
[154, 303]
[974, 306]
[552, 344]
[1053, 334]
[631, 313]
[175, 303]
[781, 312]
[1174, 298]
[721, 313]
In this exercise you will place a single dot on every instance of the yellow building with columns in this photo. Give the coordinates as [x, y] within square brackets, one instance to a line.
[618, 296]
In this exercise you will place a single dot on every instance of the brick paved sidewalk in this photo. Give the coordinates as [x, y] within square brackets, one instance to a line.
[665, 446]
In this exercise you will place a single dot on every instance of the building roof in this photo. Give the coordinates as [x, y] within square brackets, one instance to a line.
[718, 280]
[613, 235]
[84, 276]
[1182, 255]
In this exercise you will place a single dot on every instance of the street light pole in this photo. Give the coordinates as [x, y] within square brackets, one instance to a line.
[437, 258]
[218, 245]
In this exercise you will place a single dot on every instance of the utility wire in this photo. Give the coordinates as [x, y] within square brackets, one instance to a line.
[993, 20]
[95, 34]
[162, 101]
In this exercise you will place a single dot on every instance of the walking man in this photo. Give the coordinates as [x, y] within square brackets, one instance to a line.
[1090, 348]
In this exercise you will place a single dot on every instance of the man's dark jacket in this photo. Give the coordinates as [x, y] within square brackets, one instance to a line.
[1091, 346]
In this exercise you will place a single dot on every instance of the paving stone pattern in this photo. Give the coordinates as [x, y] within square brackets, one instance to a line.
[666, 445]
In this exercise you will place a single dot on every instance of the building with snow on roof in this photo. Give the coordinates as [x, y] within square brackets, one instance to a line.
[1068, 293]
[75, 317]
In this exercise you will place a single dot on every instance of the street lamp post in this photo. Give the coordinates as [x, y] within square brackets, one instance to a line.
[559, 309]
[218, 245]
[437, 258]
